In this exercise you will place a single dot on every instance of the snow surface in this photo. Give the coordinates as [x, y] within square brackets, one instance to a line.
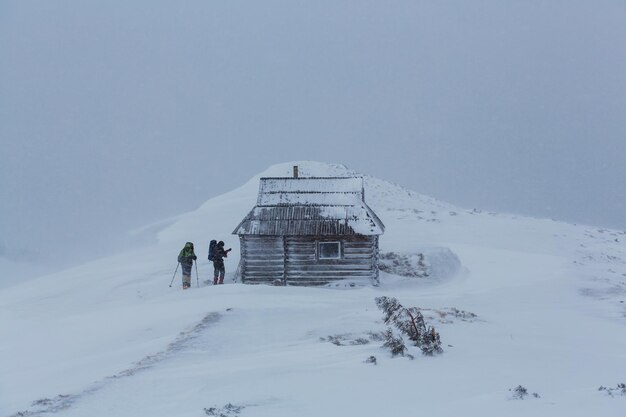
[13, 272]
[111, 338]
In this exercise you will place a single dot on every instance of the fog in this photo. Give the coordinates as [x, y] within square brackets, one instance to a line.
[115, 114]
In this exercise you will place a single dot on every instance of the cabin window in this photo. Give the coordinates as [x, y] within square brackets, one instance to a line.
[329, 250]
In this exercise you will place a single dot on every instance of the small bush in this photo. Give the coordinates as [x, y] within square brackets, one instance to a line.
[359, 341]
[431, 343]
[411, 265]
[371, 359]
[345, 339]
[394, 344]
[620, 389]
[410, 322]
[336, 340]
[520, 392]
[227, 411]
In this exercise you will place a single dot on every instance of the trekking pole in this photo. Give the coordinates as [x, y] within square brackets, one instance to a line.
[175, 273]
[197, 281]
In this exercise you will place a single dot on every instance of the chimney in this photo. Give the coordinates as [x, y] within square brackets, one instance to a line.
[295, 171]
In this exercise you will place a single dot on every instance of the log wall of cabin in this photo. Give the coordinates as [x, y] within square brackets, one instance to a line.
[294, 260]
[358, 260]
[263, 259]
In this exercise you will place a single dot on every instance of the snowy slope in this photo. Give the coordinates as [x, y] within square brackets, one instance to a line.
[13, 272]
[111, 338]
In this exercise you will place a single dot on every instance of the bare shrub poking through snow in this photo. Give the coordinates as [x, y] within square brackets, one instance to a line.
[394, 343]
[520, 392]
[410, 322]
[433, 263]
[611, 392]
[227, 411]
[404, 264]
[348, 339]
[371, 359]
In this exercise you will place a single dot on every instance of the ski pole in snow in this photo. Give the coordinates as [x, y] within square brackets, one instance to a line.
[177, 265]
[197, 281]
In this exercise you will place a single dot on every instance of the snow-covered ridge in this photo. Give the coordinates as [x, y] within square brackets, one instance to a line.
[112, 338]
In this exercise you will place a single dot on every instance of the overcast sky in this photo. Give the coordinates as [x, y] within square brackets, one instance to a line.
[114, 114]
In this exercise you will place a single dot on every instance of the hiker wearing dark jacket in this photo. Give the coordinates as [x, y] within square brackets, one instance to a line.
[186, 258]
[218, 262]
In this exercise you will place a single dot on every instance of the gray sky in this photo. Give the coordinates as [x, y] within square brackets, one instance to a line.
[114, 114]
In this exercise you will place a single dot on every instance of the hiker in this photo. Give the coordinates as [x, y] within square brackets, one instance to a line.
[218, 262]
[186, 258]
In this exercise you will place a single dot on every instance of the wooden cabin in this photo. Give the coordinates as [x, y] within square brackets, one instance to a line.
[309, 231]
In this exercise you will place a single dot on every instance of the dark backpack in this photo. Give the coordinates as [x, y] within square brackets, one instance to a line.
[212, 246]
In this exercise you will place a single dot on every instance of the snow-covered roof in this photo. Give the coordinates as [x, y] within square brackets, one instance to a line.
[311, 206]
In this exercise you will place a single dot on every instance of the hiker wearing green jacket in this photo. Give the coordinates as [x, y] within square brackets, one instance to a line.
[186, 258]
